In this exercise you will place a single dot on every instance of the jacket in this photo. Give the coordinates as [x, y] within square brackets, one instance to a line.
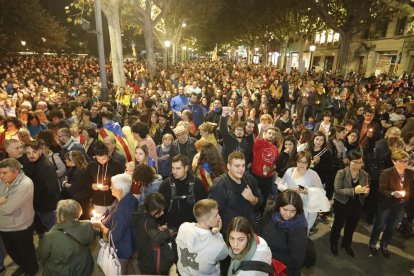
[80, 190]
[343, 185]
[287, 241]
[46, 185]
[152, 187]
[208, 248]
[390, 182]
[118, 222]
[188, 148]
[17, 213]
[61, 255]
[230, 142]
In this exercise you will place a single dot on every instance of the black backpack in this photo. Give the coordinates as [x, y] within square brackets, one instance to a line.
[190, 197]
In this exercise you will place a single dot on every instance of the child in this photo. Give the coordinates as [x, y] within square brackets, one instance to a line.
[165, 156]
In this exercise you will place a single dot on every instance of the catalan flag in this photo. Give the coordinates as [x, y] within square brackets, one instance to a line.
[114, 129]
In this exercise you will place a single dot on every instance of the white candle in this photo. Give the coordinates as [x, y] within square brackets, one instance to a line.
[100, 186]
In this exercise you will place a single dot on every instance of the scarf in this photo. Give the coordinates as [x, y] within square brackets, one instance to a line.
[236, 259]
[298, 221]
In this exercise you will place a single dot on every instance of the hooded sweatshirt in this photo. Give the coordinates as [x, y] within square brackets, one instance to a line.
[199, 250]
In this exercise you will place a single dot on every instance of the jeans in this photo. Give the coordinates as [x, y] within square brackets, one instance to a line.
[390, 218]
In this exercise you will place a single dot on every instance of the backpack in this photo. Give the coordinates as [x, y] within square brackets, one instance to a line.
[190, 197]
[225, 178]
[275, 269]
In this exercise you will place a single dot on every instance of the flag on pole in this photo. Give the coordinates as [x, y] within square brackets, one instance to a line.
[214, 55]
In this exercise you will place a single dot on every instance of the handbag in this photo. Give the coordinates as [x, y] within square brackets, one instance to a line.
[107, 258]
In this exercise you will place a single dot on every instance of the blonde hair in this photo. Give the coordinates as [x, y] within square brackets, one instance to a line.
[399, 154]
[266, 117]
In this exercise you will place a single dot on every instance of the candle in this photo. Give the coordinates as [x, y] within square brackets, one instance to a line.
[402, 193]
[371, 129]
[100, 186]
[94, 213]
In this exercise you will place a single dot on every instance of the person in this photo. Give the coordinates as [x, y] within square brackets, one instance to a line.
[338, 150]
[209, 165]
[11, 128]
[284, 228]
[245, 245]
[351, 187]
[140, 132]
[64, 250]
[265, 155]
[114, 154]
[200, 245]
[90, 140]
[14, 149]
[76, 187]
[304, 180]
[177, 104]
[195, 108]
[149, 233]
[287, 156]
[181, 190]
[147, 182]
[54, 158]
[100, 172]
[67, 142]
[17, 216]
[184, 144]
[395, 193]
[236, 193]
[164, 153]
[117, 220]
[163, 128]
[46, 187]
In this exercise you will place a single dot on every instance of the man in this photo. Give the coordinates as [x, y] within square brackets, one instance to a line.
[95, 117]
[68, 144]
[236, 193]
[196, 109]
[99, 173]
[24, 135]
[235, 141]
[177, 104]
[184, 144]
[200, 245]
[113, 129]
[14, 149]
[17, 215]
[265, 155]
[46, 187]
[57, 123]
[163, 128]
[181, 191]
[213, 116]
[114, 154]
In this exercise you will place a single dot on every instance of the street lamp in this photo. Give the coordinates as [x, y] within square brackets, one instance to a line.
[23, 43]
[312, 49]
[167, 45]
[184, 25]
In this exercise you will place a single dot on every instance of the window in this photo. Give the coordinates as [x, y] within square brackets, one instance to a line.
[400, 27]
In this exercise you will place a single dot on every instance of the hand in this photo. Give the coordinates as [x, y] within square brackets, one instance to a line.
[3, 200]
[370, 134]
[105, 188]
[95, 187]
[129, 167]
[217, 229]
[97, 224]
[67, 184]
[248, 194]
[165, 157]
[163, 227]
[178, 114]
[316, 160]
[287, 150]
[397, 194]
[302, 191]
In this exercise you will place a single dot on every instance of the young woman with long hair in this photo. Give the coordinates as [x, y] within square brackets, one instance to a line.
[210, 165]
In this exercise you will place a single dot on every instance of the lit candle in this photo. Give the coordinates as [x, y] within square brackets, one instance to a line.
[402, 193]
[371, 130]
[100, 186]
[94, 213]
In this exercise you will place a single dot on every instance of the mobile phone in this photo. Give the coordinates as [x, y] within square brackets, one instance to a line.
[301, 187]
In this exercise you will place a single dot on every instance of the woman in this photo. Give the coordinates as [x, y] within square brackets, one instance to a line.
[74, 187]
[395, 194]
[351, 187]
[352, 142]
[244, 245]
[34, 125]
[207, 133]
[306, 182]
[285, 230]
[149, 234]
[305, 139]
[89, 136]
[153, 124]
[117, 220]
[287, 156]
[209, 166]
[47, 136]
[145, 181]
[64, 250]
[11, 127]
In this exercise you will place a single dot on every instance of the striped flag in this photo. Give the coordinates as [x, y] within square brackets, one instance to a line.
[114, 129]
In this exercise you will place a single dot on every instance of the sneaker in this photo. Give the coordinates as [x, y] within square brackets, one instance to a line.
[373, 250]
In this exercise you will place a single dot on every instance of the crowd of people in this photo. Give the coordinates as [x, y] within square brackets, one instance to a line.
[217, 167]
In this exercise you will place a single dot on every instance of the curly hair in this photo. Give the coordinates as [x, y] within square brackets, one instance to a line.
[210, 155]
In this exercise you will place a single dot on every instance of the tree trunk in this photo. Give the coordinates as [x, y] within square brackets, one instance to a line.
[343, 54]
[116, 44]
[301, 65]
[149, 46]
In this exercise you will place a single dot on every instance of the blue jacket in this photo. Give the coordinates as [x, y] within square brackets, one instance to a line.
[177, 104]
[153, 187]
[198, 113]
[118, 222]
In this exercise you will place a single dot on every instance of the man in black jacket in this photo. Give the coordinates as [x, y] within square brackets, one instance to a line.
[46, 187]
[181, 190]
[163, 128]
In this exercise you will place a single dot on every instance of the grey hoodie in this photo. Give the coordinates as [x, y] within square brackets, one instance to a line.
[199, 250]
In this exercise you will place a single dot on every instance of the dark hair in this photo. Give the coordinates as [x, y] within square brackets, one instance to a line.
[55, 113]
[141, 129]
[148, 103]
[355, 155]
[182, 158]
[335, 130]
[91, 132]
[47, 136]
[317, 134]
[13, 120]
[107, 114]
[154, 202]
[35, 145]
[243, 225]
[211, 156]
[289, 197]
[143, 174]
[100, 149]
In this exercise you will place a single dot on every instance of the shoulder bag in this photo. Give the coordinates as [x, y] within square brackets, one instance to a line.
[107, 258]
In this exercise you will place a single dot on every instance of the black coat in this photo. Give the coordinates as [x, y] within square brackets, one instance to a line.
[80, 190]
[46, 185]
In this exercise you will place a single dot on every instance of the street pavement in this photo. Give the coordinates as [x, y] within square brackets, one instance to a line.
[400, 263]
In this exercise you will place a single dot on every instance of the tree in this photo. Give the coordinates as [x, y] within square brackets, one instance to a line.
[26, 20]
[349, 17]
[403, 6]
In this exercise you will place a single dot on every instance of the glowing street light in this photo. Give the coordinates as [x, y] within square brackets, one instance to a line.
[23, 43]
[184, 25]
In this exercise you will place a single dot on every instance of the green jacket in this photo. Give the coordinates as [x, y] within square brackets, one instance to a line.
[61, 255]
